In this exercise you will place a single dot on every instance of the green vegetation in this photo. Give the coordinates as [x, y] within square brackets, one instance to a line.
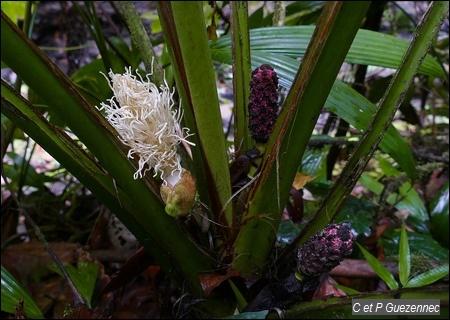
[360, 138]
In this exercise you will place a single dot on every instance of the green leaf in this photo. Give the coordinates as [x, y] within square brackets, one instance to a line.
[406, 199]
[319, 188]
[18, 177]
[371, 183]
[368, 48]
[357, 213]
[439, 212]
[15, 10]
[358, 111]
[428, 277]
[408, 196]
[404, 257]
[92, 83]
[84, 277]
[347, 290]
[155, 25]
[379, 269]
[287, 231]
[12, 292]
[124, 55]
[419, 245]
[296, 14]
[241, 302]
[314, 164]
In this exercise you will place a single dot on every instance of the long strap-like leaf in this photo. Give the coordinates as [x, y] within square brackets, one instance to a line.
[186, 37]
[241, 75]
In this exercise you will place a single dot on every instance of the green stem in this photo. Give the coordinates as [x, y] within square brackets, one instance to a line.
[279, 14]
[241, 75]
[142, 42]
[91, 21]
[10, 127]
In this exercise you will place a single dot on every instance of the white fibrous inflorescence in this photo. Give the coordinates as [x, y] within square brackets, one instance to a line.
[148, 123]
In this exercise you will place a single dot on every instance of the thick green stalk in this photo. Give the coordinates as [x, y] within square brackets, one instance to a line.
[279, 14]
[241, 75]
[9, 128]
[184, 28]
[335, 31]
[424, 35]
[142, 42]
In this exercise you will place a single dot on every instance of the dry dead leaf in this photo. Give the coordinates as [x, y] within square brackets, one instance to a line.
[301, 179]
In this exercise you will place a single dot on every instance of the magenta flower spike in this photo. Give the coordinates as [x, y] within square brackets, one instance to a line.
[325, 250]
[263, 103]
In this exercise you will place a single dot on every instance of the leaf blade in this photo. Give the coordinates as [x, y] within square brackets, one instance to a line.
[368, 48]
[12, 291]
[379, 269]
[428, 277]
[404, 257]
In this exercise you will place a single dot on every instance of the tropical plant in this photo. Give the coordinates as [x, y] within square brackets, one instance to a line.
[208, 219]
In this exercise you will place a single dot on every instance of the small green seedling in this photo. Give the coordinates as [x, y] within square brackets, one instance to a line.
[404, 268]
